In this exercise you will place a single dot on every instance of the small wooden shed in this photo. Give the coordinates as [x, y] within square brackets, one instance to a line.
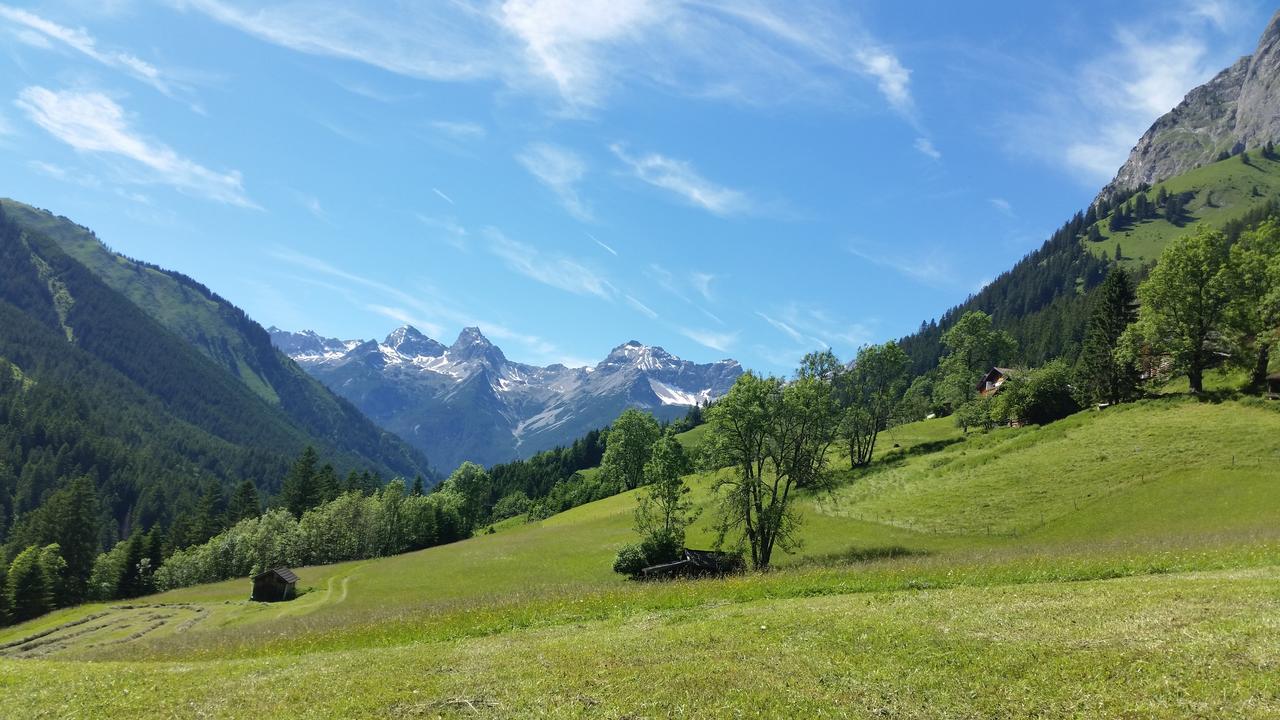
[995, 378]
[697, 563]
[1273, 386]
[275, 585]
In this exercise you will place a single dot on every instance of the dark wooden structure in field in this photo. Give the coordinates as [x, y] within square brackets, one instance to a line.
[696, 563]
[275, 585]
[995, 378]
[1273, 386]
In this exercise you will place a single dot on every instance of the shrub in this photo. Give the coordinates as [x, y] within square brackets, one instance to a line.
[630, 560]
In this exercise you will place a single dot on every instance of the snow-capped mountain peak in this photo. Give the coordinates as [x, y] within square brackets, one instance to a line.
[469, 402]
[411, 343]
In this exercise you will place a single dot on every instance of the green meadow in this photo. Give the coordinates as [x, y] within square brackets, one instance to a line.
[1224, 191]
[1123, 563]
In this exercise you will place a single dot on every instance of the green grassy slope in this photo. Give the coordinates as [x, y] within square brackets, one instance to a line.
[1130, 568]
[1224, 191]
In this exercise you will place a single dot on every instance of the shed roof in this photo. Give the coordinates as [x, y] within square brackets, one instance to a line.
[1274, 376]
[283, 573]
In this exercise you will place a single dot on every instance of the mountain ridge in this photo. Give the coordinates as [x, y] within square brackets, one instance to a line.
[424, 390]
[224, 334]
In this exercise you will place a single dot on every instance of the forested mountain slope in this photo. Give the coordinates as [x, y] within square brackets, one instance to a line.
[1043, 299]
[228, 337]
[92, 385]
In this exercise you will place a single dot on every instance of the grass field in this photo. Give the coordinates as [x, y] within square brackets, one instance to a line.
[1122, 563]
[1225, 191]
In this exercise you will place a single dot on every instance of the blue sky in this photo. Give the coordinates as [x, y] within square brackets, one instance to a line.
[725, 179]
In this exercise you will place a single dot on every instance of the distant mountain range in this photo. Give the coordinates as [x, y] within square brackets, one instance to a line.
[467, 401]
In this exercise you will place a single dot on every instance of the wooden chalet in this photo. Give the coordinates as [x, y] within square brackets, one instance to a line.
[696, 563]
[995, 378]
[1273, 386]
[275, 585]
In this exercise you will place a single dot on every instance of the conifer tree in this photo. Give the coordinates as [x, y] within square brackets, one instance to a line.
[1103, 376]
[244, 504]
[328, 486]
[30, 592]
[300, 490]
[132, 580]
[4, 595]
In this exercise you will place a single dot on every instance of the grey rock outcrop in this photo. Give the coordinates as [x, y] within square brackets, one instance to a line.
[1239, 109]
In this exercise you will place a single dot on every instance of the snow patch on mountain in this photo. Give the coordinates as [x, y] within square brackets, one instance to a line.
[467, 401]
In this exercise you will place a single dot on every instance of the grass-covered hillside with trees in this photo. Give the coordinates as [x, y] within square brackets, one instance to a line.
[112, 426]
[1043, 301]
[1006, 573]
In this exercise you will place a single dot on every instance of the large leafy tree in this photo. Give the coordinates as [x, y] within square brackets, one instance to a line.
[775, 437]
[1253, 317]
[973, 346]
[1104, 372]
[1184, 304]
[869, 392]
[663, 509]
[473, 485]
[628, 447]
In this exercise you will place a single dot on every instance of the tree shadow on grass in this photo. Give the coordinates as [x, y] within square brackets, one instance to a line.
[857, 555]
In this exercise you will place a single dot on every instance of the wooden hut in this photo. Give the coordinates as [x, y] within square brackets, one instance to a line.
[1273, 386]
[995, 378]
[275, 585]
[696, 563]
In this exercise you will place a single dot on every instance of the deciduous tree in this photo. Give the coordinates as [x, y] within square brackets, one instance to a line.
[1184, 303]
[627, 448]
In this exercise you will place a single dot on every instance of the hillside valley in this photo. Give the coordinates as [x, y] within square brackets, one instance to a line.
[1058, 499]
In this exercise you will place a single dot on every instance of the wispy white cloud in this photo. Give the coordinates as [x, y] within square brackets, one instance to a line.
[442, 196]
[1002, 205]
[702, 283]
[62, 174]
[720, 341]
[609, 249]
[422, 308]
[313, 206]
[785, 329]
[405, 317]
[644, 309]
[580, 52]
[92, 122]
[552, 270]
[40, 31]
[810, 327]
[1089, 117]
[927, 268]
[560, 169]
[925, 147]
[451, 232]
[460, 130]
[680, 178]
[893, 79]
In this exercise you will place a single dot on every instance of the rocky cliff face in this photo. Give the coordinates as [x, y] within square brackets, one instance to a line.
[1239, 109]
